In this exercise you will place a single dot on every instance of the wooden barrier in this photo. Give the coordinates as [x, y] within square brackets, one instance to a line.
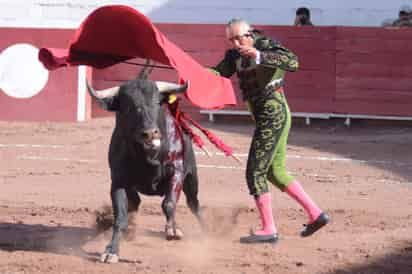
[62, 98]
[373, 72]
[344, 71]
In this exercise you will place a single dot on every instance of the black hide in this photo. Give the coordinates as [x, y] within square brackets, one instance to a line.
[138, 166]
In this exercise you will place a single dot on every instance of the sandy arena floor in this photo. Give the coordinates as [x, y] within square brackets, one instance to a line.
[54, 176]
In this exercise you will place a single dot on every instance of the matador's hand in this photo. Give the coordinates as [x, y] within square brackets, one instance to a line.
[247, 51]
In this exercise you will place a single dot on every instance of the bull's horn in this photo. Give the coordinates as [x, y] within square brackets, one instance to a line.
[104, 93]
[171, 87]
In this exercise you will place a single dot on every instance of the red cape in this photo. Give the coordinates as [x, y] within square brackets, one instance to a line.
[112, 34]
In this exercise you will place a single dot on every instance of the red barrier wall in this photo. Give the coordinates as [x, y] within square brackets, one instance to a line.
[309, 90]
[373, 71]
[58, 100]
[343, 70]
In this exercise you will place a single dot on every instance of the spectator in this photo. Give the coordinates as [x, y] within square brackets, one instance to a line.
[404, 17]
[303, 17]
[387, 23]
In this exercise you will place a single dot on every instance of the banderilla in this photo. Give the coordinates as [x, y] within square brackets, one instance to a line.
[144, 65]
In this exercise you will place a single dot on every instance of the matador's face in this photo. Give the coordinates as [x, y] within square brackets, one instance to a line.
[239, 35]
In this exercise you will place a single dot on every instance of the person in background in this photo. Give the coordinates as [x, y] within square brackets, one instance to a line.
[387, 23]
[260, 64]
[404, 17]
[303, 17]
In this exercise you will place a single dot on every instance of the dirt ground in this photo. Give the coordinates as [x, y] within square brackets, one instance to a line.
[54, 176]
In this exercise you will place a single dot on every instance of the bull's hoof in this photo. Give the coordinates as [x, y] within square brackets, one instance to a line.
[173, 233]
[109, 258]
[179, 234]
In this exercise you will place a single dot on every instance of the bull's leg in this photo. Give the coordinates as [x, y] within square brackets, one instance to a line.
[175, 174]
[169, 209]
[133, 200]
[120, 206]
[133, 206]
[190, 188]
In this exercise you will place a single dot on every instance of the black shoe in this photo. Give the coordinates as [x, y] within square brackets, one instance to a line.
[271, 238]
[321, 221]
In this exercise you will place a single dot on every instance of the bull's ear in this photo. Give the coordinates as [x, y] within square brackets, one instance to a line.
[146, 70]
[107, 98]
[167, 87]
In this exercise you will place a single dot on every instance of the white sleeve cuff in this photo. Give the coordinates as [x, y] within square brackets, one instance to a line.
[257, 57]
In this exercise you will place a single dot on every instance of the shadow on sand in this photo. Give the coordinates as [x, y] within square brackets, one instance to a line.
[398, 262]
[382, 144]
[64, 240]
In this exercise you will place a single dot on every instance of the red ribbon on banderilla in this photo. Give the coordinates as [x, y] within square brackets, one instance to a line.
[182, 118]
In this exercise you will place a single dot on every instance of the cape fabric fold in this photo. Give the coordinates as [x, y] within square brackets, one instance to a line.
[115, 33]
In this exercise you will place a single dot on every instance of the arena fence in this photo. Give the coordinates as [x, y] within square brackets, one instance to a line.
[346, 72]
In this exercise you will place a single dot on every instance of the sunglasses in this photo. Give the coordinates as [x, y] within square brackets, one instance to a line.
[239, 37]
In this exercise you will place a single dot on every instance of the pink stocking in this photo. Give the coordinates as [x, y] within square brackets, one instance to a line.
[264, 204]
[296, 191]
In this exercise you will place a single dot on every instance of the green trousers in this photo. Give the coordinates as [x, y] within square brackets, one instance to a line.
[267, 154]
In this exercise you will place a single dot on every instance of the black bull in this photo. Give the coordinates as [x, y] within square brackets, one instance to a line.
[143, 159]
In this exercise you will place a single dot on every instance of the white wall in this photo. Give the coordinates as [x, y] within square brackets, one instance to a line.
[69, 14]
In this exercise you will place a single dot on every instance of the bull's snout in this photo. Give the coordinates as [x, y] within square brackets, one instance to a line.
[151, 138]
[151, 134]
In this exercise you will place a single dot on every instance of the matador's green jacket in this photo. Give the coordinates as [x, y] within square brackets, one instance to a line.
[274, 61]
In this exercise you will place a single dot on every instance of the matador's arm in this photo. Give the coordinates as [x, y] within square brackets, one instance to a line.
[273, 54]
[227, 67]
